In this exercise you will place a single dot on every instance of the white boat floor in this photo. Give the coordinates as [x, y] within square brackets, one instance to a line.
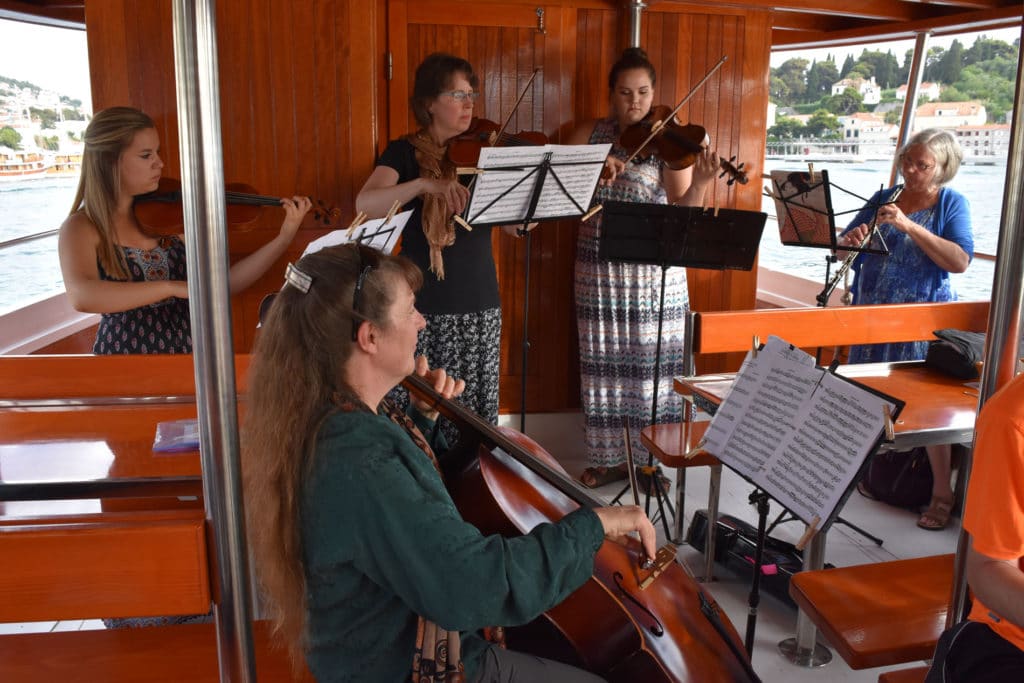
[561, 434]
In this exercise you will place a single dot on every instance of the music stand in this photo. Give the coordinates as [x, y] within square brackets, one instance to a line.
[806, 218]
[523, 185]
[686, 236]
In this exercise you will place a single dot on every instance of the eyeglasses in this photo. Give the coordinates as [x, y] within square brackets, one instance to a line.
[922, 167]
[461, 96]
[357, 318]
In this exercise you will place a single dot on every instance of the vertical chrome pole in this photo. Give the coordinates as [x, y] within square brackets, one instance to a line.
[910, 103]
[1004, 318]
[636, 12]
[202, 184]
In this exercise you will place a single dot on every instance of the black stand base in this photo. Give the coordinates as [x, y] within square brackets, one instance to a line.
[760, 500]
[785, 516]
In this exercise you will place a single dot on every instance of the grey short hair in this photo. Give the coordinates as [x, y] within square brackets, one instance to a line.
[943, 146]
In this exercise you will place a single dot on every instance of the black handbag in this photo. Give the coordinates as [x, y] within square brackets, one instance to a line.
[956, 352]
[900, 478]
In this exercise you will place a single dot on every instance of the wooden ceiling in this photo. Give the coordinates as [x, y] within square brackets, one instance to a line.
[795, 23]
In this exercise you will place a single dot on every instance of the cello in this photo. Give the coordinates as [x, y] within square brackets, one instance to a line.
[627, 623]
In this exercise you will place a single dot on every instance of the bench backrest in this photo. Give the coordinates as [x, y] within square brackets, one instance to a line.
[732, 331]
[49, 377]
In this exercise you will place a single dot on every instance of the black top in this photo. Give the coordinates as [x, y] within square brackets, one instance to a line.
[470, 282]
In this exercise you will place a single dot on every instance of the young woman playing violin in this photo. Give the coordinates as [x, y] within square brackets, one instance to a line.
[459, 298]
[368, 569]
[114, 266]
[617, 303]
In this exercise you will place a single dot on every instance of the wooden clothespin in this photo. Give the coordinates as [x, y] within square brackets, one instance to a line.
[890, 430]
[356, 222]
[756, 344]
[696, 450]
[812, 529]
[468, 170]
[461, 222]
[392, 211]
[590, 214]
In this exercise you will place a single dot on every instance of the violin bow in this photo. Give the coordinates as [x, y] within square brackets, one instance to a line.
[519, 100]
[657, 126]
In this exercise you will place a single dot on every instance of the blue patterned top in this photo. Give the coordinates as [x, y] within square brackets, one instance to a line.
[161, 327]
[907, 274]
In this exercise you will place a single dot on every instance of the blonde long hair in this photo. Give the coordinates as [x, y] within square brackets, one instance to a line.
[296, 375]
[109, 133]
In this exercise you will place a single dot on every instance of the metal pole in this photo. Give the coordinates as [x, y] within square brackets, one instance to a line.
[910, 103]
[1004, 317]
[636, 11]
[202, 184]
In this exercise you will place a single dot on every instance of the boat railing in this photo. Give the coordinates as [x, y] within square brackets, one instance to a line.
[6, 244]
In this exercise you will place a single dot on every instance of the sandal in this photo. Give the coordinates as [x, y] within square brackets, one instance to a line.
[643, 481]
[862, 489]
[596, 477]
[936, 517]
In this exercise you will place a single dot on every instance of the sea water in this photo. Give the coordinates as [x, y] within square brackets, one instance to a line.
[853, 183]
[30, 271]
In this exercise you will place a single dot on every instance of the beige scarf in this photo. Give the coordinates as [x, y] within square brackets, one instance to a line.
[437, 223]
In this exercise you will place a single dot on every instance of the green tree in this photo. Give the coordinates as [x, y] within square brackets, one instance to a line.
[786, 128]
[951, 63]
[892, 117]
[932, 62]
[847, 102]
[10, 138]
[848, 64]
[820, 78]
[792, 75]
[823, 124]
[51, 143]
[47, 117]
[986, 48]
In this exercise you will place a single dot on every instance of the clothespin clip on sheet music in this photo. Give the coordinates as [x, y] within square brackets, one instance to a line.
[693, 452]
[356, 222]
[755, 346]
[590, 214]
[461, 222]
[890, 430]
[392, 211]
[812, 529]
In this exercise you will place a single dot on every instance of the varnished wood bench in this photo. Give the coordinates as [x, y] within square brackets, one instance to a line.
[914, 674]
[879, 614]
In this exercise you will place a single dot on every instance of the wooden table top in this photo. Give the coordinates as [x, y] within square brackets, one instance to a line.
[939, 408]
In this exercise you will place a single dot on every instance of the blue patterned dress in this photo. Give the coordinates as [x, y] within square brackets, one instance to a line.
[161, 327]
[617, 317]
[906, 275]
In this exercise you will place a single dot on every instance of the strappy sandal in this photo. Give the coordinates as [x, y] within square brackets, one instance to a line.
[643, 482]
[936, 517]
[596, 477]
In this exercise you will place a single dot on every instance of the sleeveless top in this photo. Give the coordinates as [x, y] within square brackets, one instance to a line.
[161, 327]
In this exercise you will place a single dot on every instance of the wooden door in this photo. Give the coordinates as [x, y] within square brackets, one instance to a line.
[505, 43]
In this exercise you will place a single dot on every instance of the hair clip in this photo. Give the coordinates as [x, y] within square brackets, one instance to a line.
[297, 279]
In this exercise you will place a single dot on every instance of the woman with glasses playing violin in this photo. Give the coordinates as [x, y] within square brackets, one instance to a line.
[927, 231]
[459, 298]
[617, 303]
[369, 571]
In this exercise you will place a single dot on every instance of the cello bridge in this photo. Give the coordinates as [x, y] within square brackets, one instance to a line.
[665, 556]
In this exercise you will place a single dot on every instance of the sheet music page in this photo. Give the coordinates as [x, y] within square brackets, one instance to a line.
[796, 430]
[503, 196]
[375, 233]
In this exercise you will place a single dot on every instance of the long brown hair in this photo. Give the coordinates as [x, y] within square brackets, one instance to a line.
[296, 374]
[109, 133]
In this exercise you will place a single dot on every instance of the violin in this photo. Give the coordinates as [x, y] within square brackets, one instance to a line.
[676, 144]
[464, 149]
[625, 623]
[161, 212]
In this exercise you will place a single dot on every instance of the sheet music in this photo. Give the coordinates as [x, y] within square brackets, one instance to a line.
[376, 233]
[503, 196]
[796, 430]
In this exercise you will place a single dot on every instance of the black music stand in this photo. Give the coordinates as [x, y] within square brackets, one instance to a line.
[665, 236]
[546, 198]
[806, 218]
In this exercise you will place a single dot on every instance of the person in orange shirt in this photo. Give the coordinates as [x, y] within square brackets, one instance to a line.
[989, 645]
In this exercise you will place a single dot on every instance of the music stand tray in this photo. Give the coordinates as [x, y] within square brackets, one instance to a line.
[668, 235]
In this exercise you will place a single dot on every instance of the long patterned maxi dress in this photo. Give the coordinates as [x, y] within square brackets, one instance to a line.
[617, 316]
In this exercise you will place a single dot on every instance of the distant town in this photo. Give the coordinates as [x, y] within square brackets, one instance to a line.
[40, 131]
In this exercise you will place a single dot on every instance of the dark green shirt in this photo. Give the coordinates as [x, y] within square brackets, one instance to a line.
[384, 543]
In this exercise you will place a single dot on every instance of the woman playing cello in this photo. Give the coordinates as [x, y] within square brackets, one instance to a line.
[370, 571]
